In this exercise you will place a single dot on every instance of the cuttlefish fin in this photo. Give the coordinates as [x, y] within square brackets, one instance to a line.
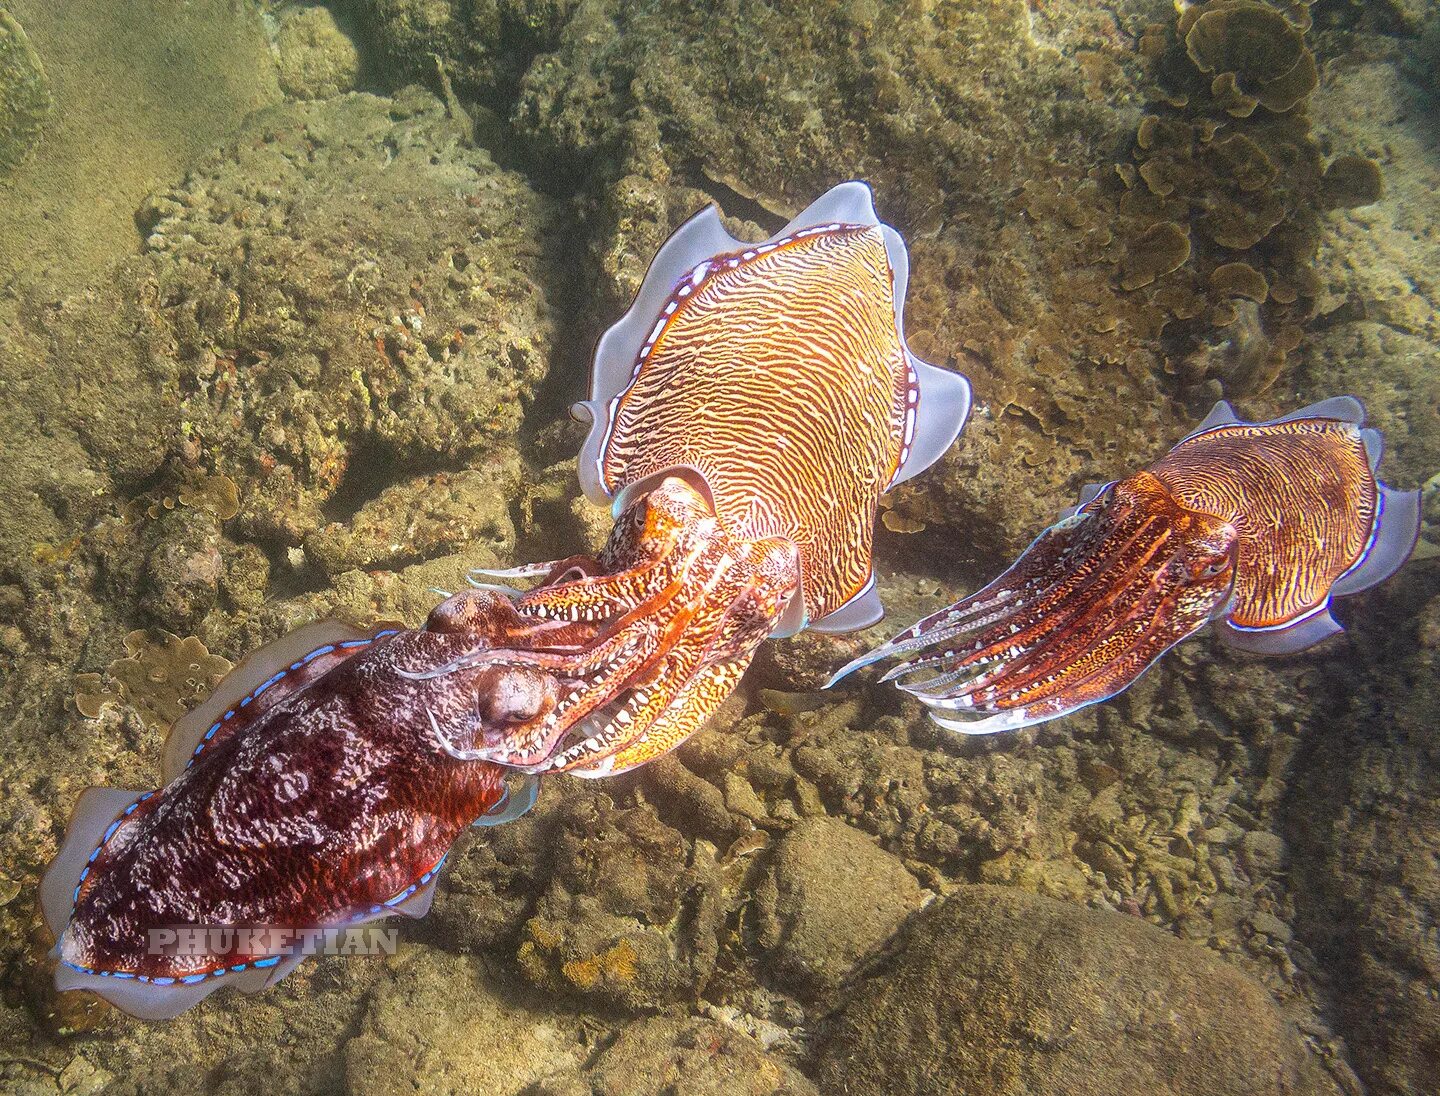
[945, 398]
[944, 406]
[1286, 639]
[1343, 408]
[1397, 529]
[1088, 494]
[861, 611]
[618, 351]
[514, 803]
[95, 812]
[848, 203]
[1222, 414]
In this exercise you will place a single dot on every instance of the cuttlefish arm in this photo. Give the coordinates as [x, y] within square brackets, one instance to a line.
[1253, 527]
[614, 661]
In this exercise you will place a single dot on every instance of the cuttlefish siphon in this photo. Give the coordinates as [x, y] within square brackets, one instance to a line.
[1252, 527]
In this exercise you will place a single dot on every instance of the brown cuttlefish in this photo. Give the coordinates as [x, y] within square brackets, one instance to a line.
[1254, 527]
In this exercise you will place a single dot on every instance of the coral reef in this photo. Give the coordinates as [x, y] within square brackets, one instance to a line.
[290, 346]
[1229, 154]
[328, 375]
[159, 678]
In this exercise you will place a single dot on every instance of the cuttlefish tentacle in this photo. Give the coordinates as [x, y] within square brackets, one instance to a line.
[1255, 527]
[706, 651]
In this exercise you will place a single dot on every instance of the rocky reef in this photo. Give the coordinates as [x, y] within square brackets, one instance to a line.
[320, 365]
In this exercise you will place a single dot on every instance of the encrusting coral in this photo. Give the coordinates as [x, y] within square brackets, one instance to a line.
[1228, 154]
[159, 678]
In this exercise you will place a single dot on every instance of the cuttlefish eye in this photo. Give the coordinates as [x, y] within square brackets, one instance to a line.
[1212, 555]
[506, 695]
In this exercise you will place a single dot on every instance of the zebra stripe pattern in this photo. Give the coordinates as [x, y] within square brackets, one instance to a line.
[1302, 498]
[778, 374]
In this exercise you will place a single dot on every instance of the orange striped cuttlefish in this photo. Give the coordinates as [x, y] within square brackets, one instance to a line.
[746, 414]
[1252, 527]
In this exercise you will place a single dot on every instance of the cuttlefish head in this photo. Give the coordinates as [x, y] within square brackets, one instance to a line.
[610, 662]
[1253, 526]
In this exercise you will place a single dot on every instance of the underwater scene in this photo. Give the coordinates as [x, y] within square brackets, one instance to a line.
[666, 547]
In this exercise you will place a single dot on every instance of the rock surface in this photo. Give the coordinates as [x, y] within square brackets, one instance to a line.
[316, 58]
[832, 898]
[1366, 824]
[435, 1026]
[1001, 992]
[662, 1056]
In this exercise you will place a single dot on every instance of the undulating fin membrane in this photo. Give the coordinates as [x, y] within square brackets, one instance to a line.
[279, 657]
[148, 1001]
[861, 611]
[521, 792]
[1395, 532]
[945, 397]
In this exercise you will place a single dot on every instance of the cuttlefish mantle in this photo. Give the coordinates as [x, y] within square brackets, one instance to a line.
[775, 377]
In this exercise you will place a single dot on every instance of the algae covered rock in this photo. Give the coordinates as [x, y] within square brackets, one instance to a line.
[1000, 992]
[436, 1026]
[1366, 825]
[832, 898]
[483, 46]
[629, 916]
[347, 289]
[425, 518]
[25, 100]
[316, 58]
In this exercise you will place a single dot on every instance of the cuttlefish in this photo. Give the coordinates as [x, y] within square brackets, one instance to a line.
[746, 414]
[1253, 528]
